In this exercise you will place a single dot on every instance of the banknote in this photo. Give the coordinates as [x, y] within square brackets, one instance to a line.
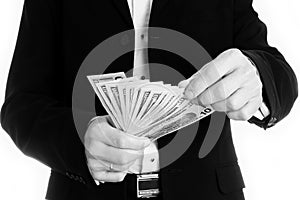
[186, 119]
[104, 78]
[144, 108]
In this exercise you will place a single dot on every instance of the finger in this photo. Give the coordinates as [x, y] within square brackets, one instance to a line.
[224, 64]
[136, 167]
[101, 151]
[236, 101]
[221, 90]
[96, 165]
[100, 165]
[233, 103]
[120, 168]
[109, 176]
[206, 77]
[246, 112]
[183, 83]
[119, 139]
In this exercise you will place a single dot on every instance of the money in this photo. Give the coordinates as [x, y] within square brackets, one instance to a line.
[144, 108]
[104, 78]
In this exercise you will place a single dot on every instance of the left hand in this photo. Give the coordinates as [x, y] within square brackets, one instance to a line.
[230, 84]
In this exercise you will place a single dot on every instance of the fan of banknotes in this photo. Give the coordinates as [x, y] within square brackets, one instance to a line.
[144, 108]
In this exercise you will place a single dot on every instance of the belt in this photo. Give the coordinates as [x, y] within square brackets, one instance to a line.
[143, 185]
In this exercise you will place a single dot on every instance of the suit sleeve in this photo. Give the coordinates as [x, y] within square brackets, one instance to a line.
[34, 113]
[280, 88]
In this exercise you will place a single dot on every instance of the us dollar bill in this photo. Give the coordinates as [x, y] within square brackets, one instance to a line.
[105, 78]
[144, 108]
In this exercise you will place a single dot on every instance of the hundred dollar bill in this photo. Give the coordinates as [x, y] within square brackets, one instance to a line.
[151, 101]
[145, 103]
[141, 98]
[189, 107]
[124, 91]
[104, 78]
[159, 107]
[186, 118]
[144, 108]
[114, 98]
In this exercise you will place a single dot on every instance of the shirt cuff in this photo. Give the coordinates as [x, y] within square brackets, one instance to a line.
[262, 112]
[263, 115]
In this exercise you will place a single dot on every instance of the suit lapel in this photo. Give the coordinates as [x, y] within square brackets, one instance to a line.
[123, 8]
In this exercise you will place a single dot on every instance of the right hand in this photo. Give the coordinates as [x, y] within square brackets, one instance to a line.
[110, 152]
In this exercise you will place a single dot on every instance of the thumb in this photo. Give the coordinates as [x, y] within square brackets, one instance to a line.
[183, 83]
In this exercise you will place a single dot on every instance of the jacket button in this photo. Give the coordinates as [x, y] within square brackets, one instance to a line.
[81, 180]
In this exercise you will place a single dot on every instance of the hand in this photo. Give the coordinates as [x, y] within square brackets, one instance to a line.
[230, 84]
[110, 152]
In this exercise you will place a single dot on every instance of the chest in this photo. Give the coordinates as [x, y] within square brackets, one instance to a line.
[86, 23]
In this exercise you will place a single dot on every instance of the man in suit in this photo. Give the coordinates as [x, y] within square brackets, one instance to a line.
[54, 38]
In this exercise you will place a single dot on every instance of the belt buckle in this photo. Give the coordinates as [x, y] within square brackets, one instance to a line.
[147, 185]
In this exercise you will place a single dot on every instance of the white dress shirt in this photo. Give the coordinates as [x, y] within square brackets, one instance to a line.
[140, 13]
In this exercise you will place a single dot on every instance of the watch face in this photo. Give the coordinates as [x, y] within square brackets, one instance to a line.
[148, 185]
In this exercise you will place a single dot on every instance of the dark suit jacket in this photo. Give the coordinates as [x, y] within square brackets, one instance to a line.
[54, 38]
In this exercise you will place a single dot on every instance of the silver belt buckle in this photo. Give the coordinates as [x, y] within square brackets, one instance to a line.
[147, 185]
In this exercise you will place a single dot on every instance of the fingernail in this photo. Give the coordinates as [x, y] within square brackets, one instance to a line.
[189, 94]
[195, 101]
[147, 141]
[183, 84]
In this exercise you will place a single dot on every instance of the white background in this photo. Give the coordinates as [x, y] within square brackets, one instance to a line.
[270, 160]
